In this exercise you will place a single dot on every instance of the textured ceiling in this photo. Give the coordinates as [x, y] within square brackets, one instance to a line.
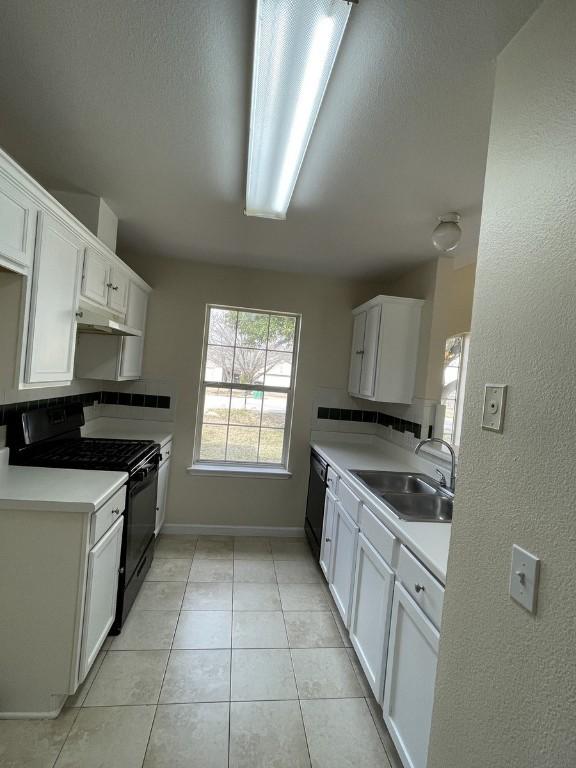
[145, 102]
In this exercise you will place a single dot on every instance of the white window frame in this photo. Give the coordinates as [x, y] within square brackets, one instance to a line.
[460, 392]
[219, 466]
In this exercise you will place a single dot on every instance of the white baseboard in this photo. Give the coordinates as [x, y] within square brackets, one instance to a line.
[231, 530]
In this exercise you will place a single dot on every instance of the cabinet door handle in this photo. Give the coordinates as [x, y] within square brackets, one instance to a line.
[115, 511]
[79, 314]
[328, 540]
[419, 588]
[114, 287]
[359, 351]
[109, 285]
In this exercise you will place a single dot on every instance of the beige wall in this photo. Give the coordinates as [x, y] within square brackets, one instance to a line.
[506, 683]
[173, 351]
[448, 293]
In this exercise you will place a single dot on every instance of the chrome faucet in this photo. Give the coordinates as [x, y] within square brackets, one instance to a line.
[452, 485]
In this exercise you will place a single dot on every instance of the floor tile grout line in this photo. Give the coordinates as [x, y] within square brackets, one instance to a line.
[65, 739]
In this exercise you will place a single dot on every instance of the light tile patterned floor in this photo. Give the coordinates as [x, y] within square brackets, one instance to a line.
[233, 656]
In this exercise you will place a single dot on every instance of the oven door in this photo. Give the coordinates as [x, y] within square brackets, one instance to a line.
[141, 514]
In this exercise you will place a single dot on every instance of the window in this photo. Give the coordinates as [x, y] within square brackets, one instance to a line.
[247, 387]
[454, 375]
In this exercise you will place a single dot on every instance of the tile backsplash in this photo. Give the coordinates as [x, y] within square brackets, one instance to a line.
[373, 417]
[86, 399]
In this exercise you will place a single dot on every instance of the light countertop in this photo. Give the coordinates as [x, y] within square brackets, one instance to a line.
[428, 541]
[129, 429]
[55, 490]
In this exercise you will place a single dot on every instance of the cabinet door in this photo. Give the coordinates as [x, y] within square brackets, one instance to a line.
[130, 366]
[17, 227]
[345, 533]
[370, 618]
[101, 593]
[327, 526]
[410, 679]
[96, 276]
[161, 494]
[54, 301]
[370, 356]
[357, 353]
[118, 293]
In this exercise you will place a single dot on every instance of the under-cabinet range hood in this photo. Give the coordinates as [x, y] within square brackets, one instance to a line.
[92, 321]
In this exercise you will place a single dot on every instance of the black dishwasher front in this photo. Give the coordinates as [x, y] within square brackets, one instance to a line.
[315, 502]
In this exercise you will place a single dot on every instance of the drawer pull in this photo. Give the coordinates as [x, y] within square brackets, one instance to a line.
[115, 511]
[419, 588]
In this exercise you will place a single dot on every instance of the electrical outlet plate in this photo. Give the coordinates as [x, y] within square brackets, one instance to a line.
[524, 577]
[494, 407]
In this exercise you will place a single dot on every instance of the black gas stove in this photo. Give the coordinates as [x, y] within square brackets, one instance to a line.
[51, 437]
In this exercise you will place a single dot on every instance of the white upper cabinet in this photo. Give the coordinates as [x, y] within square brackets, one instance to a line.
[53, 303]
[17, 227]
[118, 287]
[96, 276]
[130, 364]
[385, 349]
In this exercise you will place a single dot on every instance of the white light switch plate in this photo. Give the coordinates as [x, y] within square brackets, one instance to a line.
[494, 407]
[524, 576]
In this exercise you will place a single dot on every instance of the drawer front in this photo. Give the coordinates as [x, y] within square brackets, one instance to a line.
[384, 542]
[349, 501]
[165, 452]
[332, 481]
[107, 515]
[421, 585]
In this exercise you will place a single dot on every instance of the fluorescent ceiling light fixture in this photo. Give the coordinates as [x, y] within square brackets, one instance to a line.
[295, 46]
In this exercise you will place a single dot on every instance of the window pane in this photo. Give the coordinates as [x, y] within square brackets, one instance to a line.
[242, 444]
[278, 369]
[271, 443]
[219, 362]
[274, 409]
[252, 330]
[281, 334]
[246, 407]
[216, 405]
[213, 445]
[249, 366]
[222, 327]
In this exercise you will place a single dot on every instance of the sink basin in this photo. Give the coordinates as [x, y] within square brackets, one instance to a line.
[396, 482]
[429, 508]
[410, 495]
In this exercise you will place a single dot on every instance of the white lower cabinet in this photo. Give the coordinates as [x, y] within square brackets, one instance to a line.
[101, 593]
[162, 493]
[327, 528]
[342, 561]
[410, 679]
[370, 617]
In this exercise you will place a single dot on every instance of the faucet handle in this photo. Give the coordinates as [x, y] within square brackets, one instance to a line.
[443, 482]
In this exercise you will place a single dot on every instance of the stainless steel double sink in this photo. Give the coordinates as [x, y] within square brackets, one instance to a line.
[410, 495]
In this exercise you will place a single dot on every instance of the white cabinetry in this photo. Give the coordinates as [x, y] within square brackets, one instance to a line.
[370, 618]
[118, 290]
[162, 493]
[101, 593]
[115, 358]
[327, 528]
[17, 227]
[54, 301]
[384, 349]
[342, 561]
[410, 679]
[96, 276]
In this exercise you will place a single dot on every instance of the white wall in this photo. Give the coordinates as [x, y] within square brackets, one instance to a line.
[173, 351]
[506, 684]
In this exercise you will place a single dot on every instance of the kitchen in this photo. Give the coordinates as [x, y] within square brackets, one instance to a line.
[179, 586]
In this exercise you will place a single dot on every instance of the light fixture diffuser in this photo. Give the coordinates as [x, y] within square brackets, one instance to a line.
[295, 46]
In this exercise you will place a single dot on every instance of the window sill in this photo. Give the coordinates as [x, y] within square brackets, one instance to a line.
[218, 470]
